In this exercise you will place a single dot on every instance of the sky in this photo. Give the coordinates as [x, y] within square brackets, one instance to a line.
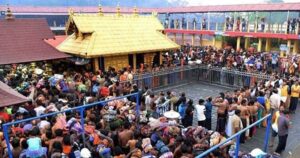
[227, 2]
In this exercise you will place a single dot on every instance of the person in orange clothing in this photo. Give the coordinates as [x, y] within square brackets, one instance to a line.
[284, 94]
[294, 96]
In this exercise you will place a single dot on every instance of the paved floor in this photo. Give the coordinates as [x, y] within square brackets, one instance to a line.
[196, 91]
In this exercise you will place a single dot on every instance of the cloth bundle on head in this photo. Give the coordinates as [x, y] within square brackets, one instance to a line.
[257, 153]
[161, 147]
[167, 155]
[146, 145]
[154, 123]
[103, 151]
[85, 153]
[72, 124]
[214, 139]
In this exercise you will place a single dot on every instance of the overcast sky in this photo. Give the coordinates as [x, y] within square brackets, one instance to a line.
[224, 2]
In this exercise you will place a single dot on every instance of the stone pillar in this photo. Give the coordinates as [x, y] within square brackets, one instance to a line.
[296, 47]
[214, 41]
[161, 58]
[182, 39]
[174, 37]
[96, 64]
[200, 40]
[268, 44]
[247, 43]
[289, 44]
[134, 62]
[259, 47]
[238, 43]
[193, 39]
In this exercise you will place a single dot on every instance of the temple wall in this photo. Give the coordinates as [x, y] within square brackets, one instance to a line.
[148, 58]
[118, 62]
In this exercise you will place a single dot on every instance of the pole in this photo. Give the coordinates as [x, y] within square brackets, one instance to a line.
[237, 146]
[208, 21]
[6, 136]
[287, 30]
[267, 133]
[137, 106]
[82, 124]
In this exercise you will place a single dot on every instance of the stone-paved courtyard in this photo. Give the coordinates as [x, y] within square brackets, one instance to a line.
[196, 91]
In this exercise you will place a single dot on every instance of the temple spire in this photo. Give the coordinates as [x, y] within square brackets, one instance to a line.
[100, 12]
[9, 15]
[135, 11]
[71, 11]
[118, 10]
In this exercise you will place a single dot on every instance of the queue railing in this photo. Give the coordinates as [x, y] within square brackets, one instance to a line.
[232, 78]
[80, 109]
[166, 78]
[238, 135]
[197, 72]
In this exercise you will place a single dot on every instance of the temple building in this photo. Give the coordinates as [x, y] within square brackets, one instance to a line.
[116, 40]
[22, 40]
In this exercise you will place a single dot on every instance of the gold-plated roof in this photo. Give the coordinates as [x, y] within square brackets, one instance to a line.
[93, 35]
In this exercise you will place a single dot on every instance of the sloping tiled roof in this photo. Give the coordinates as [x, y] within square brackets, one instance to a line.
[8, 96]
[106, 35]
[21, 40]
[211, 8]
[54, 42]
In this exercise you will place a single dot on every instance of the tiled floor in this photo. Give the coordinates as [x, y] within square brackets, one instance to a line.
[196, 91]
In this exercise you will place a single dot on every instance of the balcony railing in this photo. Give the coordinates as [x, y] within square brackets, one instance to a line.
[248, 27]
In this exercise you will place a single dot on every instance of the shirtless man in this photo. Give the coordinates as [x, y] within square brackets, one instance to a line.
[231, 111]
[244, 115]
[222, 105]
[253, 108]
[124, 136]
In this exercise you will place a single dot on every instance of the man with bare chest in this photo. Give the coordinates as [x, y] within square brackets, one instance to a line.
[244, 115]
[222, 105]
[124, 136]
[253, 108]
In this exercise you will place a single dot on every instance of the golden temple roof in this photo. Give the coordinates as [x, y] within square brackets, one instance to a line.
[94, 35]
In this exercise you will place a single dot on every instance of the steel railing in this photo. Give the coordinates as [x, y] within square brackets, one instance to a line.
[81, 110]
[237, 138]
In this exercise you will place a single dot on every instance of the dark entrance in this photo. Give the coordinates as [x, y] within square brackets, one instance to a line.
[156, 60]
[139, 60]
[130, 60]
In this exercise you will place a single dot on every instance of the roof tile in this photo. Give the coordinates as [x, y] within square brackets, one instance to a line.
[22, 40]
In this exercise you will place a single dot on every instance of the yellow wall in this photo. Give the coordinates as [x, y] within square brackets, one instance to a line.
[148, 58]
[118, 62]
[218, 44]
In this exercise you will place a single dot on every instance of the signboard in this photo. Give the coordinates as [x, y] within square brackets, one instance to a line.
[219, 33]
[283, 47]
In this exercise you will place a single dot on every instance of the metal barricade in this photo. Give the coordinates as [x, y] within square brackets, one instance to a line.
[166, 78]
[232, 78]
[79, 109]
[238, 135]
[190, 73]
